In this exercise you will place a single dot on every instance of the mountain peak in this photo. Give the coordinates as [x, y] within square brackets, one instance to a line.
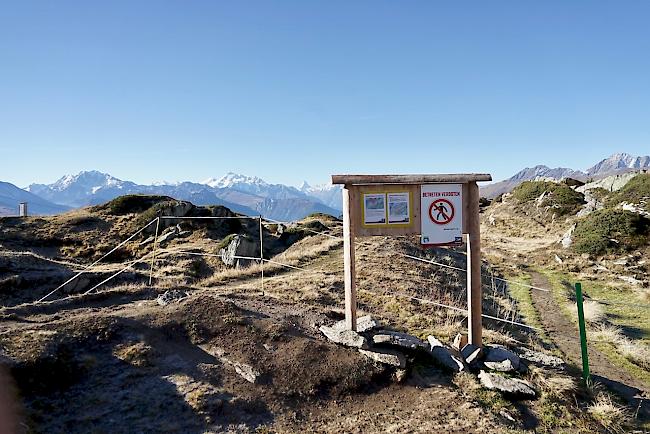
[619, 161]
[231, 179]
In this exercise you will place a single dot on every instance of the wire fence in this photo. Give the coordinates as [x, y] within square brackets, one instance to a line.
[261, 260]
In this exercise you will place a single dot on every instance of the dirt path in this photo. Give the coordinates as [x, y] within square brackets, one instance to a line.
[564, 334]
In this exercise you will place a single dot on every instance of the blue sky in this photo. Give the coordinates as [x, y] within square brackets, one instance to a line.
[293, 90]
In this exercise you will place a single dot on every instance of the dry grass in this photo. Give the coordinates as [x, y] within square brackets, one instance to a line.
[594, 312]
[636, 352]
[611, 416]
[553, 384]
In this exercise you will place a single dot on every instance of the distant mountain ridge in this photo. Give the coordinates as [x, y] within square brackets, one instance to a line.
[615, 163]
[11, 196]
[243, 194]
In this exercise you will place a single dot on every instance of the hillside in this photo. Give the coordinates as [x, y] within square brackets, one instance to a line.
[11, 196]
[219, 350]
[553, 235]
[615, 164]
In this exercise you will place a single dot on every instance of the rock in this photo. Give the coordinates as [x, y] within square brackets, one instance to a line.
[443, 356]
[459, 341]
[167, 236]
[386, 357]
[567, 238]
[247, 372]
[400, 375]
[503, 366]
[510, 386]
[471, 353]
[398, 339]
[496, 357]
[240, 246]
[366, 323]
[540, 358]
[558, 259]
[348, 338]
[630, 279]
[171, 296]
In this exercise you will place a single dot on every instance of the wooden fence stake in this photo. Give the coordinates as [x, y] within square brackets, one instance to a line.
[262, 252]
[474, 294]
[348, 263]
[155, 245]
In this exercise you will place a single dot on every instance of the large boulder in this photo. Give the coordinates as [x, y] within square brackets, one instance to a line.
[240, 246]
[509, 386]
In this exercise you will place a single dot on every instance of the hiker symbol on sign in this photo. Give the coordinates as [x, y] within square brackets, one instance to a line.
[441, 211]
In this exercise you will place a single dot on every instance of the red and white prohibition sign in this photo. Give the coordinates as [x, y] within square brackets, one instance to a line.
[441, 211]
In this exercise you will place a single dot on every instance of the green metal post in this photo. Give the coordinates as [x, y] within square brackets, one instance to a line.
[583, 334]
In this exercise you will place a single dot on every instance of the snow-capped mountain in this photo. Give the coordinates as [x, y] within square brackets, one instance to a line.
[254, 185]
[619, 162]
[243, 194]
[329, 194]
[85, 188]
[616, 163]
[11, 196]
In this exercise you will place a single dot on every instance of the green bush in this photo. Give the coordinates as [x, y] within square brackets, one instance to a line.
[596, 232]
[561, 197]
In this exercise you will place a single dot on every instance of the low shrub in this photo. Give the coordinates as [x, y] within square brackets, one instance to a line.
[611, 230]
[561, 197]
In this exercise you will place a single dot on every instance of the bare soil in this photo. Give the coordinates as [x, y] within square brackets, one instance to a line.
[141, 367]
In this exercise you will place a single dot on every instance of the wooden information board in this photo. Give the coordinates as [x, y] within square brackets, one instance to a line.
[439, 208]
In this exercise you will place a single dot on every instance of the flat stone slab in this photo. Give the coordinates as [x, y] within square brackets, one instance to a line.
[443, 356]
[499, 358]
[539, 358]
[510, 386]
[364, 324]
[386, 357]
[341, 336]
[504, 366]
[399, 339]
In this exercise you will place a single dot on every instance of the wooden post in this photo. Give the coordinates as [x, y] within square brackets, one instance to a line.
[474, 296]
[348, 262]
[153, 257]
[262, 252]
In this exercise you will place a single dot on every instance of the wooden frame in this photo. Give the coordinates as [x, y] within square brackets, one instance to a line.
[355, 186]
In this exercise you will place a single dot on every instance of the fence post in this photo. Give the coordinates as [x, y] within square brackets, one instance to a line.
[262, 252]
[583, 334]
[155, 244]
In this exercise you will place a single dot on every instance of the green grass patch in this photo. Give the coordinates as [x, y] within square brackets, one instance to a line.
[611, 230]
[559, 196]
[614, 356]
[524, 299]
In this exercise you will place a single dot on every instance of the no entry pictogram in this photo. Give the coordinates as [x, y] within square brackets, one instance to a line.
[441, 211]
